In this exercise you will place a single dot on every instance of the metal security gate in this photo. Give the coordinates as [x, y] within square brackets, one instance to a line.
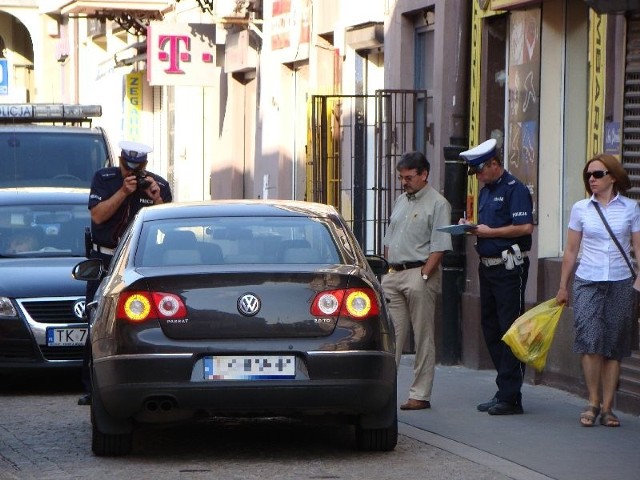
[629, 386]
[631, 119]
[355, 143]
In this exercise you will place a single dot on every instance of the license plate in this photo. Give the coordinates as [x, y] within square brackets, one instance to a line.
[239, 367]
[66, 337]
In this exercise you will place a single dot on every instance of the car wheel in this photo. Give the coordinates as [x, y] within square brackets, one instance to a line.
[377, 439]
[379, 432]
[109, 445]
[110, 437]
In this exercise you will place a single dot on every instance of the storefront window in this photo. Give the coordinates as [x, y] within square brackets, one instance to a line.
[575, 107]
[523, 119]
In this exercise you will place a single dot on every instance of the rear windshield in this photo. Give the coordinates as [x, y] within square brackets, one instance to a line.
[43, 230]
[50, 159]
[235, 240]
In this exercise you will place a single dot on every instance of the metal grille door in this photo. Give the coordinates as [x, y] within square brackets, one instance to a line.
[355, 143]
[631, 120]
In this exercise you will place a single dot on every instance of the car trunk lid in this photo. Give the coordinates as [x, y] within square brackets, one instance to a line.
[248, 304]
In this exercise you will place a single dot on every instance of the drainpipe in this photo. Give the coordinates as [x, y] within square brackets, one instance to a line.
[453, 262]
[457, 23]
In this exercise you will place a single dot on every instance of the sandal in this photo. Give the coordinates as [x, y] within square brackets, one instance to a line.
[609, 419]
[588, 417]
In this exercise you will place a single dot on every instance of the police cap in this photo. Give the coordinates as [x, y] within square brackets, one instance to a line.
[134, 152]
[480, 154]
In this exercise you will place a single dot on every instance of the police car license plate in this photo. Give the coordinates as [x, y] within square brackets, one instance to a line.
[250, 367]
[66, 336]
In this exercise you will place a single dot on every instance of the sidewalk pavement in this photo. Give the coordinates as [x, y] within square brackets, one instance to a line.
[547, 441]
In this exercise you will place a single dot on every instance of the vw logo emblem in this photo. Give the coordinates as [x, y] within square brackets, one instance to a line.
[249, 305]
[78, 309]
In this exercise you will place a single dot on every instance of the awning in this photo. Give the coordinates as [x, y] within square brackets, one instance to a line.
[366, 36]
[613, 6]
[134, 17]
[93, 7]
[512, 4]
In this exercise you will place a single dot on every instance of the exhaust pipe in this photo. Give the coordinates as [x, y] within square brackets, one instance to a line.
[159, 404]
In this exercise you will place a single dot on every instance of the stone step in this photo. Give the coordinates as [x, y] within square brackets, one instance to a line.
[628, 395]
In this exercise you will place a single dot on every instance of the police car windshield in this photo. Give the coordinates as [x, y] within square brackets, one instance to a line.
[65, 157]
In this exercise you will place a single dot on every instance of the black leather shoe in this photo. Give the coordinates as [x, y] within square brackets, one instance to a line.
[505, 408]
[484, 407]
[85, 399]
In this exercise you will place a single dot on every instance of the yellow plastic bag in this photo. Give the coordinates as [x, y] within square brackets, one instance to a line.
[531, 334]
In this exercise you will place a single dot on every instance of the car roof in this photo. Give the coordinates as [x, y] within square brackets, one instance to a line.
[42, 195]
[238, 208]
[35, 128]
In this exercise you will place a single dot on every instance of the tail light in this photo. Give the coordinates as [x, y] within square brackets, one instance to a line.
[355, 303]
[142, 306]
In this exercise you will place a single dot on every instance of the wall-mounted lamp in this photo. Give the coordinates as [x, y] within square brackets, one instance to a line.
[429, 17]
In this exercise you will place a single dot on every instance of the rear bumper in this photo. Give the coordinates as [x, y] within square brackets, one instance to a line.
[351, 383]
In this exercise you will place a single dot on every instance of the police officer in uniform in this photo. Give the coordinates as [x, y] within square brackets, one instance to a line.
[117, 194]
[503, 232]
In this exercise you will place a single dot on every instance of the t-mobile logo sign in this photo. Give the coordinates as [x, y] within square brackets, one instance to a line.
[175, 49]
[181, 54]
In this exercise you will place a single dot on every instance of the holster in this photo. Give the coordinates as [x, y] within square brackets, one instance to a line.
[88, 242]
[518, 258]
[512, 256]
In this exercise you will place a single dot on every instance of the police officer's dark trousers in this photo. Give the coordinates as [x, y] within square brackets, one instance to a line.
[91, 289]
[502, 301]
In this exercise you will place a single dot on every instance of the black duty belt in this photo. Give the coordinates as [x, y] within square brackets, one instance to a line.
[103, 250]
[397, 267]
[493, 261]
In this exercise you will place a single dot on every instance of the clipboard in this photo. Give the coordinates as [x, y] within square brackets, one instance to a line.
[457, 229]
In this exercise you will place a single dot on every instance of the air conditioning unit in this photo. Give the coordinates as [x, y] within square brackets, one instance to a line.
[613, 6]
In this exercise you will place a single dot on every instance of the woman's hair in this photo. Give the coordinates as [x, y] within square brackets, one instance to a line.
[616, 170]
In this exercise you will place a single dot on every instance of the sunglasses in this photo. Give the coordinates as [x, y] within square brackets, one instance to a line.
[596, 174]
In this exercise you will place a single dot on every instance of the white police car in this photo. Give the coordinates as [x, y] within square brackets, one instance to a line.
[51, 145]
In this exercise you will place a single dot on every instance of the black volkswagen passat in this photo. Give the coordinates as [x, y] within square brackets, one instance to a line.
[240, 308]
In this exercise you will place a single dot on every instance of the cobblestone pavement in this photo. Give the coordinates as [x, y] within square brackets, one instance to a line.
[45, 435]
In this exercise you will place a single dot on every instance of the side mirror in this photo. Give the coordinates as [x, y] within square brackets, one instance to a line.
[88, 270]
[378, 264]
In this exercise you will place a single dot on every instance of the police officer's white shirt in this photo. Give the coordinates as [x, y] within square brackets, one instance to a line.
[600, 258]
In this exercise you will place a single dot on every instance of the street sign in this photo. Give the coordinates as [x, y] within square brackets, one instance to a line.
[4, 77]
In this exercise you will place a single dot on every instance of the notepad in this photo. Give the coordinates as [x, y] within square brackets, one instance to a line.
[457, 229]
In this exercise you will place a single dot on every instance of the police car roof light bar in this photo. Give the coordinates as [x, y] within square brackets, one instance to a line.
[47, 112]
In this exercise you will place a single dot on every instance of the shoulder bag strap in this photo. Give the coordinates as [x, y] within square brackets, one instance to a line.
[615, 240]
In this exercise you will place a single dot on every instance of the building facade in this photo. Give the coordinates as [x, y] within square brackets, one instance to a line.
[316, 100]
[555, 82]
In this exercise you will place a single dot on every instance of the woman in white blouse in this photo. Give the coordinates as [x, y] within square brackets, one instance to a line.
[604, 305]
